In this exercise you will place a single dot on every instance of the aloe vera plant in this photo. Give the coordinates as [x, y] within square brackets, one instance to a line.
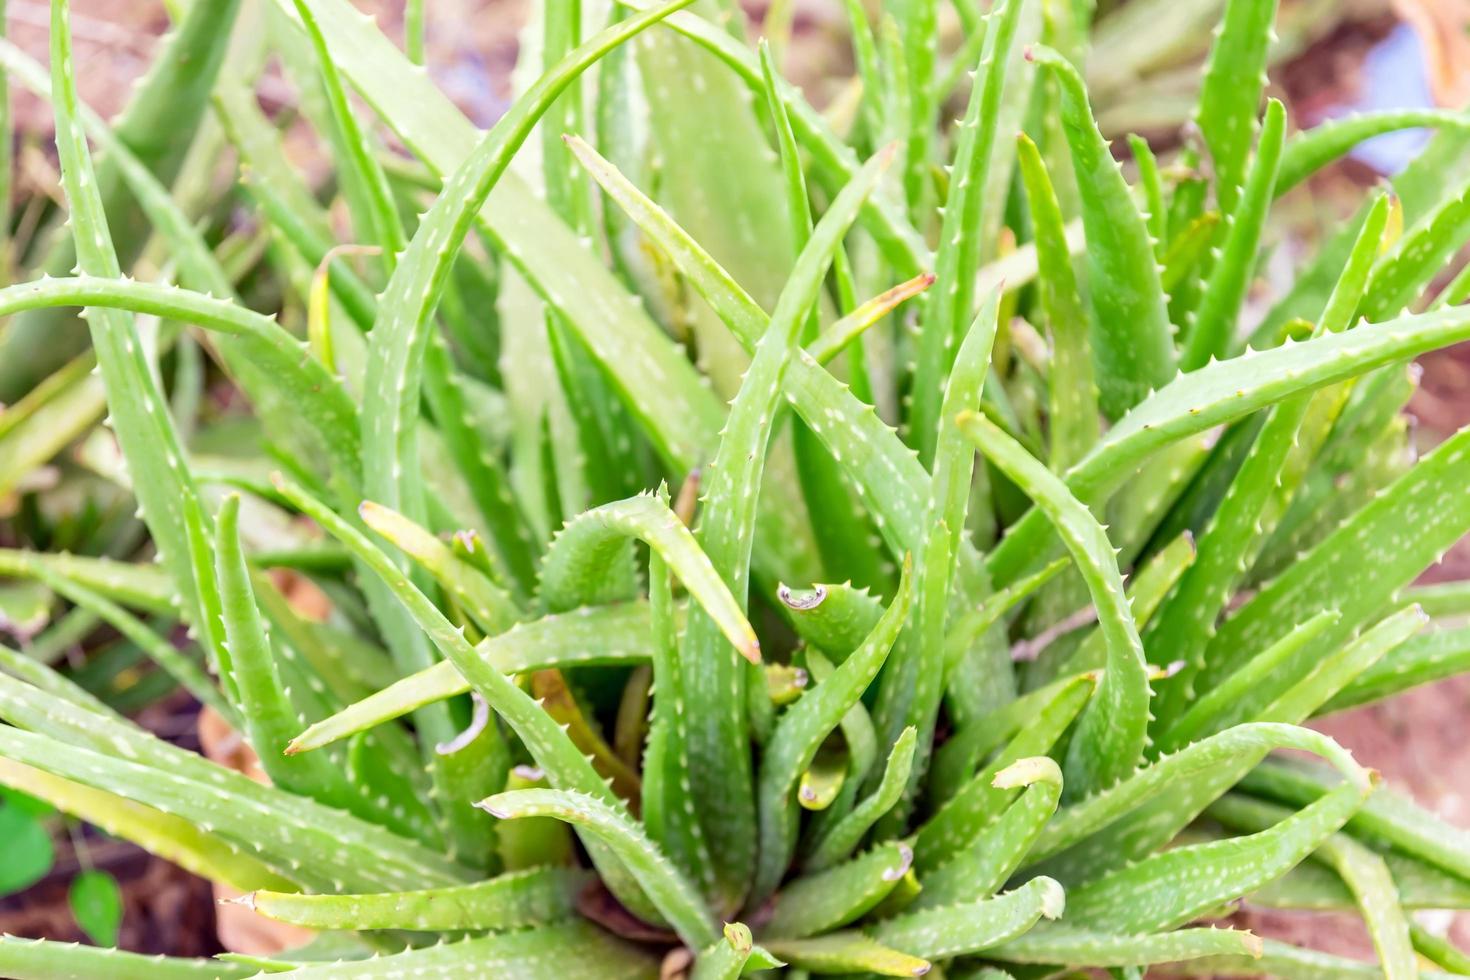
[864, 545]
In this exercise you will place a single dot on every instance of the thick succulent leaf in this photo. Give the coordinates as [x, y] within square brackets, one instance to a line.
[1274, 467]
[847, 952]
[816, 903]
[581, 566]
[844, 835]
[1278, 959]
[296, 838]
[978, 801]
[562, 762]
[158, 124]
[1072, 411]
[1171, 888]
[957, 758]
[509, 901]
[1060, 943]
[1146, 591]
[44, 959]
[38, 674]
[1224, 391]
[972, 625]
[1112, 732]
[988, 861]
[902, 246]
[1360, 565]
[1312, 149]
[1312, 885]
[1132, 341]
[1301, 700]
[972, 927]
[139, 415]
[832, 618]
[674, 896]
[1402, 273]
[269, 716]
[1364, 872]
[1212, 333]
[315, 394]
[718, 733]
[947, 308]
[391, 404]
[842, 531]
[1144, 811]
[591, 635]
[658, 385]
[1440, 952]
[1385, 817]
[801, 731]
[1423, 659]
[913, 684]
[492, 608]
[669, 812]
[49, 418]
[726, 959]
[577, 951]
[362, 170]
[886, 473]
[1231, 93]
[846, 330]
[189, 675]
[169, 836]
[1221, 706]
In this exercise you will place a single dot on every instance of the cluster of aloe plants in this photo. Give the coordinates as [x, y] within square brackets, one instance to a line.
[719, 510]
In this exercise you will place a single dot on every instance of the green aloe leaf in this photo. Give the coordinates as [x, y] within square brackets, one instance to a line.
[1423, 659]
[1211, 333]
[815, 903]
[1231, 93]
[988, 861]
[726, 959]
[1389, 547]
[1072, 410]
[674, 896]
[718, 743]
[972, 927]
[492, 608]
[947, 308]
[1060, 943]
[582, 564]
[44, 959]
[590, 635]
[1116, 826]
[139, 415]
[1385, 817]
[1274, 466]
[1312, 149]
[1133, 342]
[1112, 731]
[1224, 391]
[1169, 889]
[548, 744]
[839, 840]
[847, 952]
[1366, 875]
[800, 733]
[576, 951]
[509, 901]
[978, 800]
